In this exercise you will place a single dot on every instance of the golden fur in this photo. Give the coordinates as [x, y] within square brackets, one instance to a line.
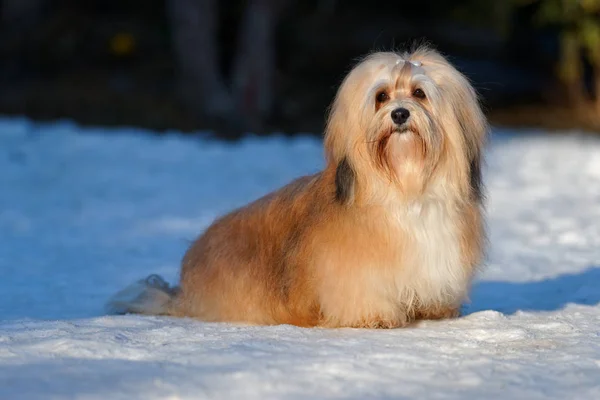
[389, 232]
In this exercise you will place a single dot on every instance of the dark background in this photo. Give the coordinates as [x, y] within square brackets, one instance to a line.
[234, 66]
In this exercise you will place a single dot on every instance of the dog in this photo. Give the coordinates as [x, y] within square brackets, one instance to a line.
[389, 233]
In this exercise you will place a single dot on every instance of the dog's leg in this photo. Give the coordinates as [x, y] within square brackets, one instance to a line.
[150, 296]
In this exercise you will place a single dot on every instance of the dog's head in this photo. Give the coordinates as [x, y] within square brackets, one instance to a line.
[402, 122]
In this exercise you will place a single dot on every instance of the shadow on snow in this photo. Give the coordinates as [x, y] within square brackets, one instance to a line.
[546, 295]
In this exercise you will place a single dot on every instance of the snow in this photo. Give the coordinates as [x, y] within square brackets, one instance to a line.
[86, 211]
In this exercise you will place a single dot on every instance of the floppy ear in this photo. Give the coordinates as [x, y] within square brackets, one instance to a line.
[334, 132]
[344, 182]
[475, 129]
[476, 178]
[335, 152]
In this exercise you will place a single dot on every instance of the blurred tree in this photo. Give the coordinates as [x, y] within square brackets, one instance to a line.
[578, 23]
[193, 27]
[245, 99]
[494, 15]
[17, 19]
[21, 14]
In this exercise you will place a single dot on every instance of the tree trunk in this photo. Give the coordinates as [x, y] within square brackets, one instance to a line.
[254, 63]
[194, 38]
[21, 14]
[571, 69]
[326, 7]
[17, 23]
[597, 90]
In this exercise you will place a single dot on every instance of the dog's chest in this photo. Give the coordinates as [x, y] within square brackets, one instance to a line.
[430, 265]
[411, 261]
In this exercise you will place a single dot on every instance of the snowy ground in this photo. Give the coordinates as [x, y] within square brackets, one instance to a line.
[83, 215]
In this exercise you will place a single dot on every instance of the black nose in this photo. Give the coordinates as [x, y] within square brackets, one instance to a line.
[400, 115]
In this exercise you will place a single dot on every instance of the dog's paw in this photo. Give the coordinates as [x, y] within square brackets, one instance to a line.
[381, 323]
[435, 313]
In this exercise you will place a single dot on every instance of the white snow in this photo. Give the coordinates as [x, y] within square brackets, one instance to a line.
[85, 212]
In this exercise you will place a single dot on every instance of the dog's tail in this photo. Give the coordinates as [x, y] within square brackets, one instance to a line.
[149, 296]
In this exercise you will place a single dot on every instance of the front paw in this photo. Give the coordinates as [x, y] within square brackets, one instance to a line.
[435, 313]
[381, 323]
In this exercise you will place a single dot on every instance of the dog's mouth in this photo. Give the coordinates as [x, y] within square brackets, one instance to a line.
[403, 129]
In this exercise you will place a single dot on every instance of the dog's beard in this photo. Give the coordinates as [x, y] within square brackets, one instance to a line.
[407, 154]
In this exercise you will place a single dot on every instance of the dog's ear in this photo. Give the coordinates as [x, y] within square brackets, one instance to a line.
[476, 178]
[345, 178]
[475, 128]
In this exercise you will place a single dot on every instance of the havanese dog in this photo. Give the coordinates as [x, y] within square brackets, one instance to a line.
[389, 233]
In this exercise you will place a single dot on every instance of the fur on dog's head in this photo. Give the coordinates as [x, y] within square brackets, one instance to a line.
[402, 125]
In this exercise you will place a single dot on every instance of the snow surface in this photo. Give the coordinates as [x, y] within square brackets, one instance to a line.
[85, 212]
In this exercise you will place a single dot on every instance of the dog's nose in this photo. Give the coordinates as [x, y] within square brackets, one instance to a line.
[400, 115]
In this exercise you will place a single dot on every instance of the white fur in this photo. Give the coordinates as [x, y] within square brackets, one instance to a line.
[437, 273]
[433, 274]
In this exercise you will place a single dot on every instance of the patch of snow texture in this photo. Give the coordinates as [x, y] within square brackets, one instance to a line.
[85, 212]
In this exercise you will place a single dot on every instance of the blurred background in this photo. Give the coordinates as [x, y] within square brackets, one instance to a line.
[262, 66]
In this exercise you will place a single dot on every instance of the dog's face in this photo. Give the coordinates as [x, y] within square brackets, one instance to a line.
[405, 121]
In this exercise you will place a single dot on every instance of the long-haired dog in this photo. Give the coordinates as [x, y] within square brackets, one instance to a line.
[390, 232]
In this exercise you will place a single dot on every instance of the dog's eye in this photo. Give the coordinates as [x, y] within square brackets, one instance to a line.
[382, 97]
[419, 94]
